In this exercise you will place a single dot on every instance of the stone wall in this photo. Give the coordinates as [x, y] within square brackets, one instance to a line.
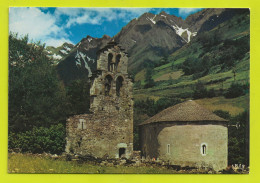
[108, 130]
[181, 143]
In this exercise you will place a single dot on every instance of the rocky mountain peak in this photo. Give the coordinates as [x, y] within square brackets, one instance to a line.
[106, 36]
[145, 39]
[163, 13]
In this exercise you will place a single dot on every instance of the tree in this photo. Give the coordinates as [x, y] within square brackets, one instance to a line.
[238, 141]
[36, 95]
[234, 71]
[235, 90]
[78, 96]
[149, 82]
[199, 90]
[238, 137]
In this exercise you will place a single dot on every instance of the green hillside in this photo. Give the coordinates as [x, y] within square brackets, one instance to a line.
[213, 60]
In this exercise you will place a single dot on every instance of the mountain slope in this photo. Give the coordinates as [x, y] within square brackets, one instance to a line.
[151, 36]
[81, 61]
[147, 40]
[214, 59]
[207, 19]
[60, 52]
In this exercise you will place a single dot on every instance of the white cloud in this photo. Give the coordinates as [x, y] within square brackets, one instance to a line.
[56, 42]
[77, 16]
[187, 11]
[53, 28]
[37, 24]
[68, 11]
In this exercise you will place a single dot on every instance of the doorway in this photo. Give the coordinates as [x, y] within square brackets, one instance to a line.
[121, 152]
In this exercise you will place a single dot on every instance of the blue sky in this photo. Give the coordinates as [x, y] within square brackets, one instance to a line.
[54, 26]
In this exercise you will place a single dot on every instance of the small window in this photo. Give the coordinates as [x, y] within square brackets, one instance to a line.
[203, 149]
[110, 66]
[117, 61]
[119, 84]
[168, 148]
[108, 83]
[82, 124]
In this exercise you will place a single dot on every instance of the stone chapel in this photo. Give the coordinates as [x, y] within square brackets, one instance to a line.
[107, 131]
[186, 134]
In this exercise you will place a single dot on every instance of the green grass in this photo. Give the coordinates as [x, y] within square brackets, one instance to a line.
[234, 106]
[173, 75]
[27, 163]
[140, 76]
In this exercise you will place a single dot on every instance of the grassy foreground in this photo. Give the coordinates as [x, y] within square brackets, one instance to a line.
[28, 163]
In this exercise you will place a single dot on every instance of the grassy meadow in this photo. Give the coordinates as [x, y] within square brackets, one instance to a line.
[28, 163]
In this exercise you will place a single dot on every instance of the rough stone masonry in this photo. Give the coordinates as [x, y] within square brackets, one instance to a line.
[107, 132]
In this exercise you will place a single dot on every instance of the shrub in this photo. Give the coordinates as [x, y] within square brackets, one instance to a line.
[236, 90]
[211, 93]
[39, 140]
[199, 90]
[222, 114]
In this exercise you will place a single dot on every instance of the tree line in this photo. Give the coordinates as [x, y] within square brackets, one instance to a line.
[38, 101]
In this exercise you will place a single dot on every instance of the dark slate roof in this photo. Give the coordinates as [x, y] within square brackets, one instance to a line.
[187, 111]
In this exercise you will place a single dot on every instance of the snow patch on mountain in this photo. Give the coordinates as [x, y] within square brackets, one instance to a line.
[64, 52]
[90, 59]
[67, 48]
[89, 39]
[190, 34]
[58, 57]
[82, 56]
[194, 33]
[77, 57]
[180, 31]
[78, 44]
[152, 19]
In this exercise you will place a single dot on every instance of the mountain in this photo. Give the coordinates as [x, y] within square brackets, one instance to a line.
[81, 61]
[207, 19]
[212, 68]
[60, 52]
[146, 39]
[151, 36]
